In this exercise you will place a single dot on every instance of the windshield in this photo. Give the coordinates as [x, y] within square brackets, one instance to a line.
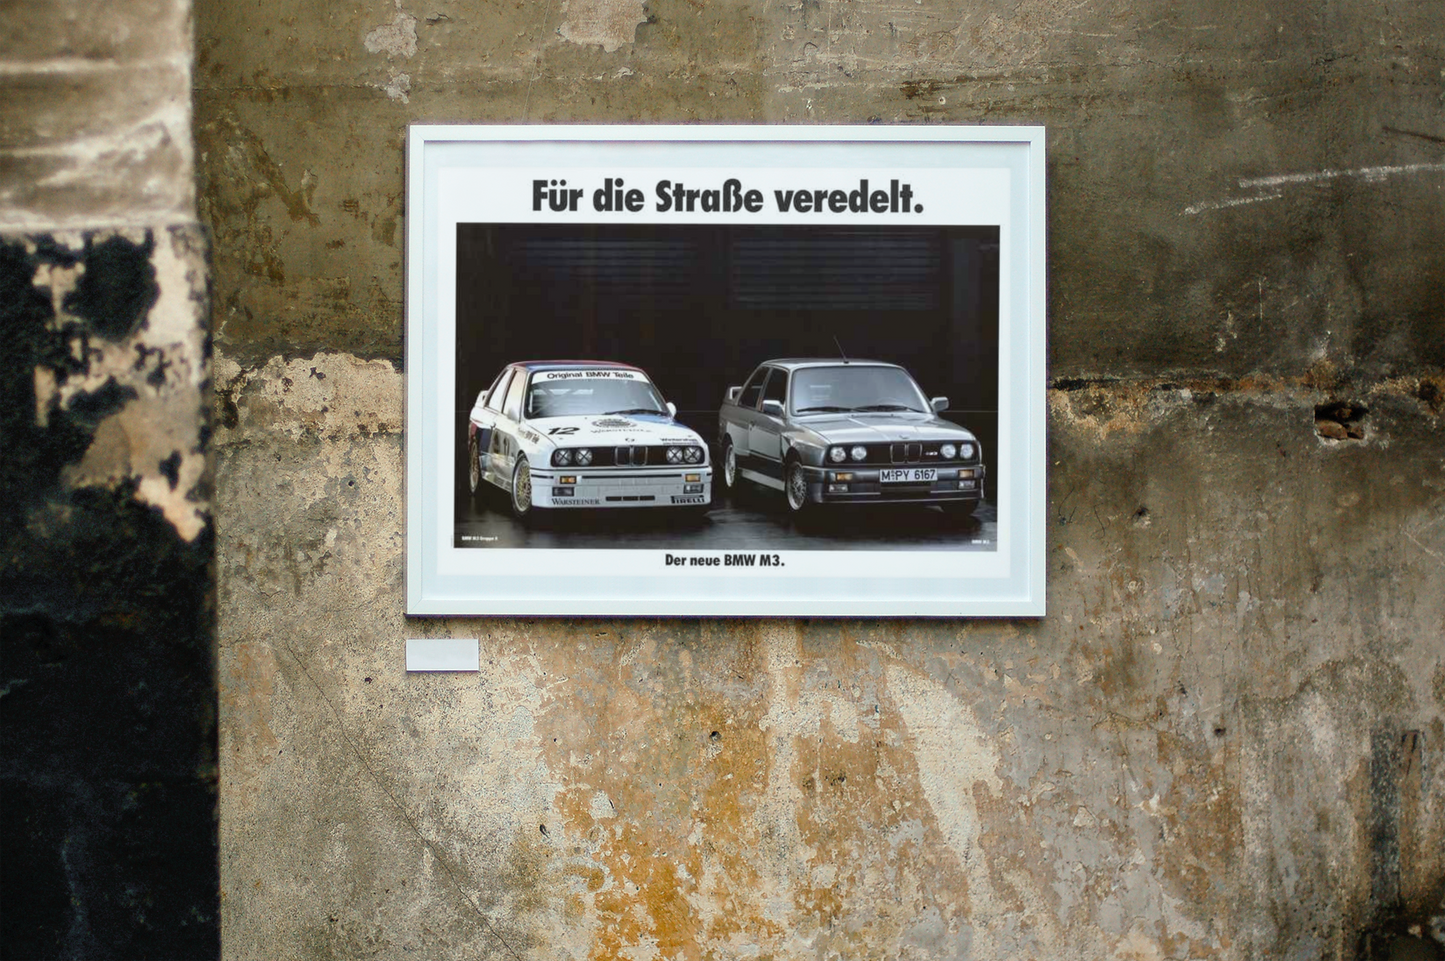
[850, 389]
[568, 393]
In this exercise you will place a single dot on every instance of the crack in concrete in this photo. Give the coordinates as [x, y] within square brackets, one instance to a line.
[411, 823]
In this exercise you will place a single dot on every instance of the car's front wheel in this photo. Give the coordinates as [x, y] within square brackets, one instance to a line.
[522, 507]
[474, 466]
[729, 466]
[795, 486]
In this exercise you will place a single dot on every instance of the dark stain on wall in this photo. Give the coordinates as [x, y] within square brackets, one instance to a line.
[107, 691]
[118, 286]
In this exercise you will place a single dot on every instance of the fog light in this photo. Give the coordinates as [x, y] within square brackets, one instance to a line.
[562, 491]
[692, 488]
[837, 488]
[964, 485]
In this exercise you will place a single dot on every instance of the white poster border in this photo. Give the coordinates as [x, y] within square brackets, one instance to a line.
[970, 176]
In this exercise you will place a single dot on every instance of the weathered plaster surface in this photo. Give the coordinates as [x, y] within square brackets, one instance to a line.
[107, 631]
[1176, 763]
[1224, 741]
[97, 130]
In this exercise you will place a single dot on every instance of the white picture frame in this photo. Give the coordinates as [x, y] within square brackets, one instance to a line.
[942, 271]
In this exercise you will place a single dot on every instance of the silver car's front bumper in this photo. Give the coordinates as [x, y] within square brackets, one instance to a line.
[866, 485]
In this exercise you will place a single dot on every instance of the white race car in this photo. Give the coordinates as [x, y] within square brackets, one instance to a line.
[584, 434]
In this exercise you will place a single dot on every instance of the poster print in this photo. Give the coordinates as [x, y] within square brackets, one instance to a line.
[743, 370]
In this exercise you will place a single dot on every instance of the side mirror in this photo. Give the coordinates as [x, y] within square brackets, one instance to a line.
[733, 394]
[940, 404]
[773, 408]
[671, 409]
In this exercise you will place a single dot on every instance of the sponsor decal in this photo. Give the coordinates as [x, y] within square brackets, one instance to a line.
[529, 435]
[587, 374]
[577, 501]
[679, 499]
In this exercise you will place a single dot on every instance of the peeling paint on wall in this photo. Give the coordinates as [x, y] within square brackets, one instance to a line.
[612, 24]
[395, 39]
[156, 362]
[327, 394]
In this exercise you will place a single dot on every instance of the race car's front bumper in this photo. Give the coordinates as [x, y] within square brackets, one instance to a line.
[866, 485]
[623, 487]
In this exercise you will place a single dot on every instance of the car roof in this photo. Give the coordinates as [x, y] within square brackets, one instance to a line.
[794, 363]
[569, 364]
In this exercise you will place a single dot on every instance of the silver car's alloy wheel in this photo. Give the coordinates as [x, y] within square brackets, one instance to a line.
[474, 464]
[521, 488]
[797, 487]
[730, 466]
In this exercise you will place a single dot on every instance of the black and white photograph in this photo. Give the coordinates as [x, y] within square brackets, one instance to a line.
[723, 374]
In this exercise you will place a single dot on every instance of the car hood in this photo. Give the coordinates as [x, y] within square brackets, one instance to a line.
[865, 428]
[607, 430]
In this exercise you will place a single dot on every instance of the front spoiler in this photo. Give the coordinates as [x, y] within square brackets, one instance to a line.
[864, 487]
[594, 489]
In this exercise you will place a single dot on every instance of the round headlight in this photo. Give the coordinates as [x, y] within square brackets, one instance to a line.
[859, 452]
[674, 455]
[583, 455]
[561, 458]
[947, 451]
[837, 455]
[965, 451]
[693, 455]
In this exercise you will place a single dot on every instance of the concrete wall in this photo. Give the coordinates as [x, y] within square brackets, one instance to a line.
[107, 701]
[1225, 740]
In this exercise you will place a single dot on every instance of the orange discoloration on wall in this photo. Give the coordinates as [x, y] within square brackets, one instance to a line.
[248, 682]
[643, 796]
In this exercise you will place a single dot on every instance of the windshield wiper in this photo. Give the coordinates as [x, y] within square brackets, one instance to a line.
[638, 410]
[826, 409]
[882, 407]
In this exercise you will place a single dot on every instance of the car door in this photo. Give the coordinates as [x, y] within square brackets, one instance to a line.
[765, 432]
[743, 413]
[484, 416]
[504, 448]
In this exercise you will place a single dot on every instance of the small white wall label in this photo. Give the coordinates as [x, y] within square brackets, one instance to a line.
[443, 654]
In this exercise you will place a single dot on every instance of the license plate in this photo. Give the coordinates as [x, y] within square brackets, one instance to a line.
[908, 475]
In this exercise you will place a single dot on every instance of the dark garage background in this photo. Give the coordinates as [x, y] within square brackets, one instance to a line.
[699, 307]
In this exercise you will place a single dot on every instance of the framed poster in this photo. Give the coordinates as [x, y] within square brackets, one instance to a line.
[706, 370]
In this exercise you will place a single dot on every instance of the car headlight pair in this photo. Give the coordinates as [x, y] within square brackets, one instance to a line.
[567, 456]
[684, 455]
[949, 451]
[839, 454]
